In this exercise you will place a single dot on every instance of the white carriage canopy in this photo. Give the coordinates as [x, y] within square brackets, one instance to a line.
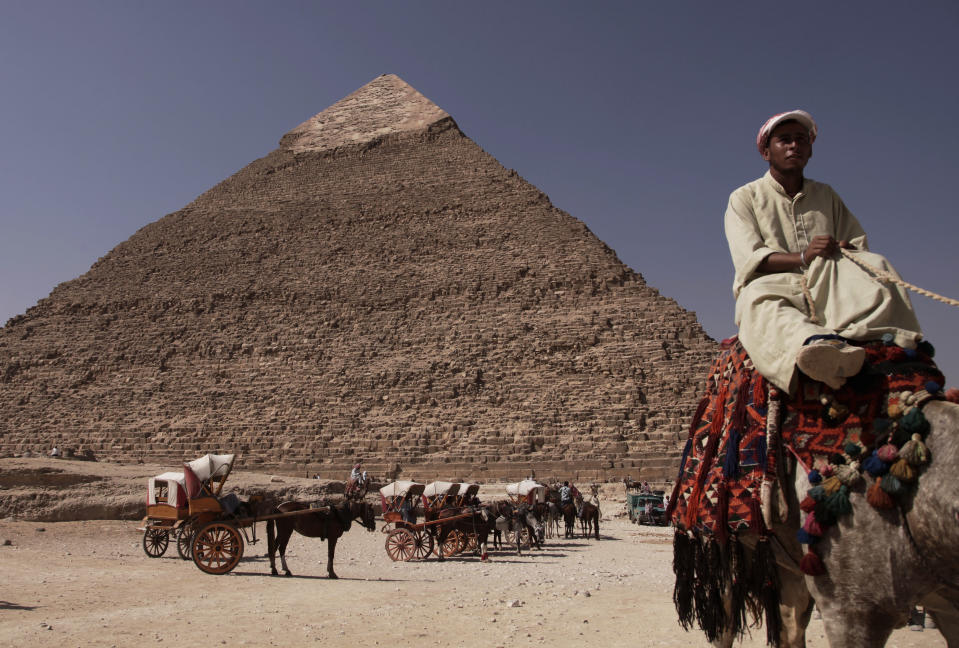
[392, 495]
[172, 484]
[531, 491]
[207, 467]
[441, 488]
[401, 488]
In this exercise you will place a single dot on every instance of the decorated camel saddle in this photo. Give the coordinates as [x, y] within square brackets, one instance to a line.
[870, 431]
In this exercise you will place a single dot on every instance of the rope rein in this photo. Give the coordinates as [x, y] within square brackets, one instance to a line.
[882, 275]
[879, 275]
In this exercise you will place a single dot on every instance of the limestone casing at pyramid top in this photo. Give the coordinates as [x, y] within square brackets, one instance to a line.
[387, 105]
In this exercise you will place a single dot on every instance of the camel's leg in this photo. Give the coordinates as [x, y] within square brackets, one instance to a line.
[795, 608]
[948, 626]
[945, 613]
[848, 625]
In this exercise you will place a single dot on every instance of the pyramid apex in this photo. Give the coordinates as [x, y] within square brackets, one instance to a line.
[387, 105]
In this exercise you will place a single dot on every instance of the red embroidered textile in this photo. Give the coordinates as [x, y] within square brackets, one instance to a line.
[813, 431]
[726, 458]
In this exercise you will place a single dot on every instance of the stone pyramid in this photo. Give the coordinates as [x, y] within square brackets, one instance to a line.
[377, 287]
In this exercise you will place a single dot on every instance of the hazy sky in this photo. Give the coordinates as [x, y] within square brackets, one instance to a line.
[638, 118]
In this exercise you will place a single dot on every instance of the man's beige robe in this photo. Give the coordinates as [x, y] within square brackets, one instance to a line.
[771, 311]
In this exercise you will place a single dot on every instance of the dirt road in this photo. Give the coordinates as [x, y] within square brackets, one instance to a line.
[90, 584]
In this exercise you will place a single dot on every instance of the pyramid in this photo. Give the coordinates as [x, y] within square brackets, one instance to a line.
[378, 288]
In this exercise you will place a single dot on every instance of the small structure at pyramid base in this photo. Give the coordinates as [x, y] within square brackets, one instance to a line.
[378, 287]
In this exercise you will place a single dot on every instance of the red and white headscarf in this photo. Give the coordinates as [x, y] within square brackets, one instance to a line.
[801, 116]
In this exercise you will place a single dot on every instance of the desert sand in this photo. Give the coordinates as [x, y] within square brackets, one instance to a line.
[89, 583]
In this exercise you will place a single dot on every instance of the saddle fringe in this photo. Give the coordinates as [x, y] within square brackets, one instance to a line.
[707, 570]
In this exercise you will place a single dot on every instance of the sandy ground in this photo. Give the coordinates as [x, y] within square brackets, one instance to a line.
[90, 584]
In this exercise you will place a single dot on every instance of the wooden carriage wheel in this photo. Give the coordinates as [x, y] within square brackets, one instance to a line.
[455, 542]
[184, 541]
[217, 548]
[155, 542]
[472, 542]
[524, 538]
[423, 544]
[400, 545]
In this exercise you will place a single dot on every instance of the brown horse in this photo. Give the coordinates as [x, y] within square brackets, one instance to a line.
[589, 519]
[326, 523]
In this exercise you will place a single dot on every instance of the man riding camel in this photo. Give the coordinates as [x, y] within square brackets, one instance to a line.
[785, 233]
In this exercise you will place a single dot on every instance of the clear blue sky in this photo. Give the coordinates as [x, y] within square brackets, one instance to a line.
[637, 117]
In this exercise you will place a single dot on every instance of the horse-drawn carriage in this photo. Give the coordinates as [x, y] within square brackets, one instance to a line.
[441, 502]
[187, 507]
[533, 495]
[208, 527]
[528, 490]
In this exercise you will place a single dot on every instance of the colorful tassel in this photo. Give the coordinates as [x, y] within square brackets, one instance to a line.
[808, 504]
[849, 475]
[903, 471]
[915, 451]
[838, 503]
[824, 514]
[812, 526]
[852, 450]
[878, 498]
[814, 477]
[892, 485]
[888, 453]
[817, 493]
[875, 466]
[805, 537]
[811, 564]
[831, 485]
[915, 423]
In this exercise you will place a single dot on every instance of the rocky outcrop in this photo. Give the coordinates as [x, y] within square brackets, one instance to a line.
[378, 287]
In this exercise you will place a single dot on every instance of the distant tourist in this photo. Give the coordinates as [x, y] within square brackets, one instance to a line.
[55, 452]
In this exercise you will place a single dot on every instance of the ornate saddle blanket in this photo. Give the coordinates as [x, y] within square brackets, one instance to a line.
[743, 425]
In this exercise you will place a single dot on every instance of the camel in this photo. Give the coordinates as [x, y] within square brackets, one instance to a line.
[876, 563]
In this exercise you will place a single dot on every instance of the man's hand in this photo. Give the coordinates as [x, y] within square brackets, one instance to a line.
[821, 246]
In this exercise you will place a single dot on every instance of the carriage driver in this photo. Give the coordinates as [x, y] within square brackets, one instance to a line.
[785, 233]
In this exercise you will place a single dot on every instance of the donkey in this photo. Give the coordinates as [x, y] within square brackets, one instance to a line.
[324, 524]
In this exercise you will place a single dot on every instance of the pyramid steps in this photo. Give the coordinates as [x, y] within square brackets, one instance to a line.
[377, 287]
